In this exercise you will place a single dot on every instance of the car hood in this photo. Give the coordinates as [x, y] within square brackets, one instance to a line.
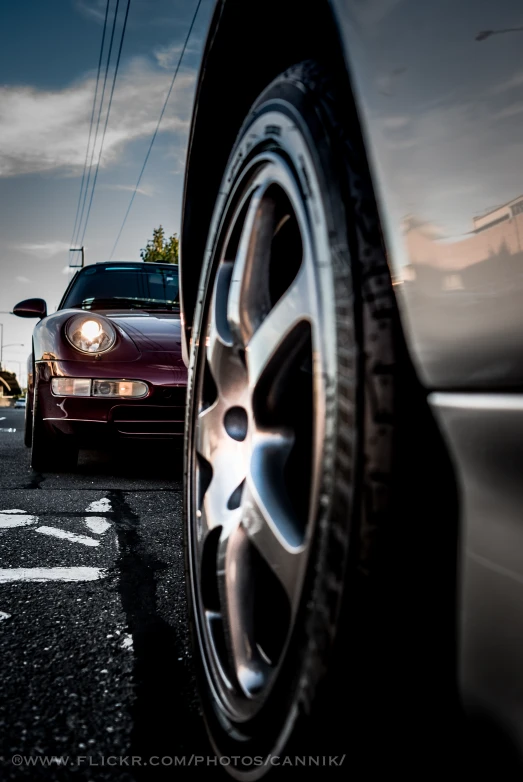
[152, 332]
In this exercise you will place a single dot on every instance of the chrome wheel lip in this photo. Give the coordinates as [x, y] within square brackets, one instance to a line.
[240, 706]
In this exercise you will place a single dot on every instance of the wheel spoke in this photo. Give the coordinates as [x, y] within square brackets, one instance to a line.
[223, 483]
[227, 369]
[225, 364]
[227, 458]
[208, 430]
[249, 294]
[293, 308]
[237, 588]
[267, 516]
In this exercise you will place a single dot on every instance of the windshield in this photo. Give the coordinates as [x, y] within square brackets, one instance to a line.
[124, 287]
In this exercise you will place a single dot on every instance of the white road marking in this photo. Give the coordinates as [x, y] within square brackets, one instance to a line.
[3, 615]
[13, 510]
[97, 524]
[2, 418]
[50, 574]
[60, 533]
[9, 519]
[7, 429]
[100, 506]
[127, 642]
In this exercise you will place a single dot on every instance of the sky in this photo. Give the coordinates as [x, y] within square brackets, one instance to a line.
[48, 67]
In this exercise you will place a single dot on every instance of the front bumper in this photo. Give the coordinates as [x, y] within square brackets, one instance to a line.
[159, 415]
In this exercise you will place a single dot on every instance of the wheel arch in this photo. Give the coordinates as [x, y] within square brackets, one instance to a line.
[235, 69]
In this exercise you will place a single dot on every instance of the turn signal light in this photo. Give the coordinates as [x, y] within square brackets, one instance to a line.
[71, 386]
[78, 386]
[133, 388]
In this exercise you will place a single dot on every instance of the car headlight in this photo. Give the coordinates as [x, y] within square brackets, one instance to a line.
[90, 334]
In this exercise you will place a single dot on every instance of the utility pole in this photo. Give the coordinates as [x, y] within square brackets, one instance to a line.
[2, 312]
[78, 250]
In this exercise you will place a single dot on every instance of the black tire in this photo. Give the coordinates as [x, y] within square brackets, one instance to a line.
[50, 453]
[331, 662]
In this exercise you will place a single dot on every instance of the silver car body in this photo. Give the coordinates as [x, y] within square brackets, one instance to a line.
[440, 92]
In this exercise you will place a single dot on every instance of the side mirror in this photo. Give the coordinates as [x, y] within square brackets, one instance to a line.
[31, 308]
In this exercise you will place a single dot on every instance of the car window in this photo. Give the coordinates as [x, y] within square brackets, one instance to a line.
[124, 287]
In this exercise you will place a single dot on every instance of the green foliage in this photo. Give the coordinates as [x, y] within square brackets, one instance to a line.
[159, 249]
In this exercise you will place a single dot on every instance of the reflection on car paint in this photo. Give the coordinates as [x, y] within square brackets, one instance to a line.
[444, 139]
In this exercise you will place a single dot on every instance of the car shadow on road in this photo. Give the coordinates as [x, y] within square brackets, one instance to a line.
[166, 719]
[136, 460]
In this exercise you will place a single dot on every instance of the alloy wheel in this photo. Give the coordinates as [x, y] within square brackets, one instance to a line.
[258, 431]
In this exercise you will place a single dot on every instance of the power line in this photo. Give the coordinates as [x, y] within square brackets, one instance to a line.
[157, 127]
[98, 120]
[106, 119]
[92, 121]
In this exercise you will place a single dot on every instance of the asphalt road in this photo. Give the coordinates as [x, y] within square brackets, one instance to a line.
[93, 631]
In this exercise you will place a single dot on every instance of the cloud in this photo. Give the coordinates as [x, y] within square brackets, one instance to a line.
[412, 222]
[22, 279]
[44, 130]
[45, 249]
[395, 123]
[167, 56]
[512, 110]
[145, 191]
[373, 12]
[514, 82]
[403, 143]
[93, 9]
[386, 81]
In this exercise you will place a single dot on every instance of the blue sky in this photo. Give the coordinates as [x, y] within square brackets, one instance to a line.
[48, 69]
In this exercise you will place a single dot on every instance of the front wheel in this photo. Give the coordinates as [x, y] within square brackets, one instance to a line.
[290, 425]
[28, 424]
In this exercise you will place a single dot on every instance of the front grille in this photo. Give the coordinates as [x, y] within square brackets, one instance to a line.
[149, 420]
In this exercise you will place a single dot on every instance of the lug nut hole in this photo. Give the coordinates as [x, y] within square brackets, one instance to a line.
[236, 423]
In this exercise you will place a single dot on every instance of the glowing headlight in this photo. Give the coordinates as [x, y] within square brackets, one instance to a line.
[90, 334]
[91, 330]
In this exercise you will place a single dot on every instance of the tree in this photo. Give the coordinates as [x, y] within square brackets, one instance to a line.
[159, 249]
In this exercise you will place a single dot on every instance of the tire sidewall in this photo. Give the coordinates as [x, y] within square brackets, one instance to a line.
[28, 423]
[41, 447]
[49, 452]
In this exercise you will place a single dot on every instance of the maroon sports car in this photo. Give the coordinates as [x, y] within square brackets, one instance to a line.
[107, 365]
